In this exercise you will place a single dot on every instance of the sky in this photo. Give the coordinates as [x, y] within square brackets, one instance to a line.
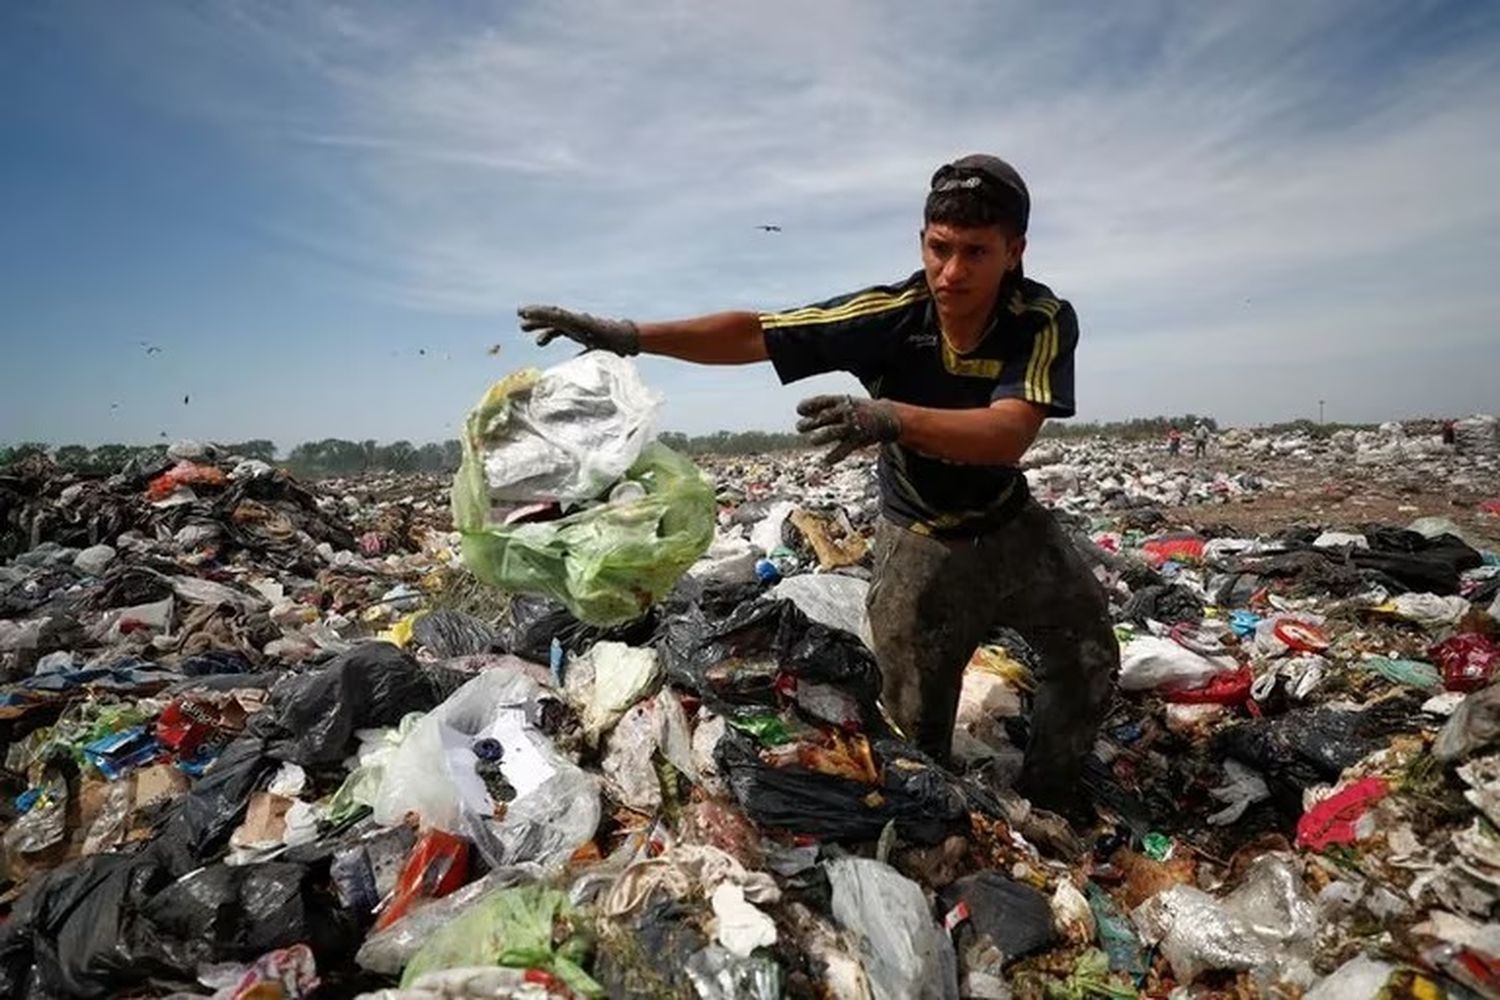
[291, 220]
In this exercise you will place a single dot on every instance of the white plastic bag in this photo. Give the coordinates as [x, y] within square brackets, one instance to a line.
[613, 677]
[568, 433]
[432, 774]
[905, 954]
[1149, 663]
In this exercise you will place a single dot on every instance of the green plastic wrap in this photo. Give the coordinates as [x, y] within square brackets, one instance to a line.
[608, 563]
[513, 927]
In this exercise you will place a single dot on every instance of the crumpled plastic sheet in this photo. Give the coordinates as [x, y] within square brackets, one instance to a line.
[1243, 787]
[1266, 925]
[1196, 934]
[906, 955]
[611, 678]
[567, 433]
[716, 974]
[1474, 725]
[831, 599]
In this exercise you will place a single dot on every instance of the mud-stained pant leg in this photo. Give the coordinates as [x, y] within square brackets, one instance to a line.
[930, 605]
[1060, 608]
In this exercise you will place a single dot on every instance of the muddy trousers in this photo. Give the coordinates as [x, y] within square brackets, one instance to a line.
[933, 601]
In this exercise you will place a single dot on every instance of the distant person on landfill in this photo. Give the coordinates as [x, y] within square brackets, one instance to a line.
[1200, 440]
[1174, 442]
[963, 361]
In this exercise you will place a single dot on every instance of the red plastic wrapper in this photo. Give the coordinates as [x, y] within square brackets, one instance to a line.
[1163, 550]
[438, 864]
[184, 474]
[1301, 637]
[1335, 820]
[1229, 688]
[1467, 661]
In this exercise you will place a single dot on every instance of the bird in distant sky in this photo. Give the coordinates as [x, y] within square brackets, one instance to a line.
[493, 349]
[185, 397]
[150, 348]
[770, 229]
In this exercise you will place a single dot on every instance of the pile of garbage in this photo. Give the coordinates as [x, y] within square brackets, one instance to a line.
[1096, 475]
[265, 739]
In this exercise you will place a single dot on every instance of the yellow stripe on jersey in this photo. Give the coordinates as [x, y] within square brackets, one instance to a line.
[867, 304]
[1038, 383]
[957, 364]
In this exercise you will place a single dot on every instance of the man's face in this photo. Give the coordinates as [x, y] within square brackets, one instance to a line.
[964, 265]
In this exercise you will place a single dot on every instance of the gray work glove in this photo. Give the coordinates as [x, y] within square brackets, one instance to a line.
[847, 423]
[618, 336]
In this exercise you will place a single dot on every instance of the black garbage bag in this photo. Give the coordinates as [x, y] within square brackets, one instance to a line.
[1169, 604]
[214, 662]
[236, 913]
[1414, 561]
[733, 663]
[926, 802]
[73, 932]
[535, 621]
[1309, 746]
[447, 634]
[998, 921]
[372, 685]
[199, 822]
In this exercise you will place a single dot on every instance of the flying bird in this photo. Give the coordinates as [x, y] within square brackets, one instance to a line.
[150, 348]
[422, 351]
[769, 229]
[185, 398]
[493, 349]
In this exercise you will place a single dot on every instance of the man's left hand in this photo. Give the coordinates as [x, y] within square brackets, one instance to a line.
[847, 423]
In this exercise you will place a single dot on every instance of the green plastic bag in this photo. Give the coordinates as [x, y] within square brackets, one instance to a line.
[609, 563]
[1413, 673]
[513, 927]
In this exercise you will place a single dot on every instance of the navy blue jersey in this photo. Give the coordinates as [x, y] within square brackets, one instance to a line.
[888, 338]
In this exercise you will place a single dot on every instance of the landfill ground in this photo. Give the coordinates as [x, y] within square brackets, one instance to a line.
[275, 739]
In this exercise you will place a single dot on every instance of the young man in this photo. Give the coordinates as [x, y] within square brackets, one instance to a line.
[963, 362]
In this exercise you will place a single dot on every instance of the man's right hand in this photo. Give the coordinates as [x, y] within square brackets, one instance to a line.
[618, 336]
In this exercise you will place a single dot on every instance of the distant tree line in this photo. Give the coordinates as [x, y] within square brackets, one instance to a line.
[1135, 429]
[732, 442]
[311, 459]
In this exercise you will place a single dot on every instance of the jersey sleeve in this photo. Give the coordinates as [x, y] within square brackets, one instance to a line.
[1044, 374]
[855, 333]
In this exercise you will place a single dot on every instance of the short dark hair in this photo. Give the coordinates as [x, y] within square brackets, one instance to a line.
[969, 208]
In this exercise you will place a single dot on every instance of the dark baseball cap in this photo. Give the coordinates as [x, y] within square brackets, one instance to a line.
[992, 176]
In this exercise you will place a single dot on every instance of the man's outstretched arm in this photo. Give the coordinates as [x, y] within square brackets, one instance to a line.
[728, 338]
[995, 435]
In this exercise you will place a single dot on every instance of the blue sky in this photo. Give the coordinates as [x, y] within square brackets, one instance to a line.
[1252, 206]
